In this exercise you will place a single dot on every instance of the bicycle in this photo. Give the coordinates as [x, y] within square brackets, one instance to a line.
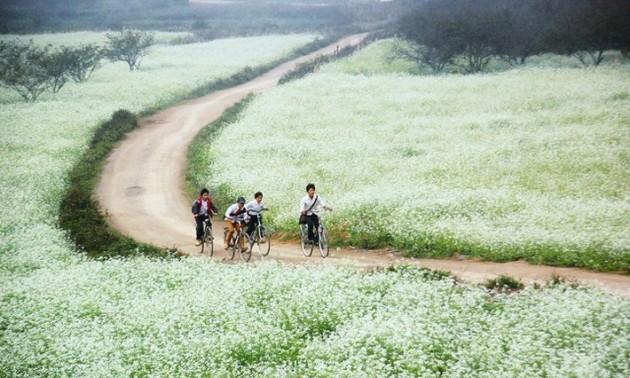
[322, 233]
[207, 239]
[240, 243]
[260, 236]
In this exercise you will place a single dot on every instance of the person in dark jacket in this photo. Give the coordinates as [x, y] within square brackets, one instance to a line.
[203, 209]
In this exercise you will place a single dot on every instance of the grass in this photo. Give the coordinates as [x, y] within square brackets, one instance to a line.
[523, 164]
[64, 314]
[79, 213]
[193, 317]
[198, 156]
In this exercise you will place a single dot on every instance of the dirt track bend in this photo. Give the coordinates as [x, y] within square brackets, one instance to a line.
[142, 192]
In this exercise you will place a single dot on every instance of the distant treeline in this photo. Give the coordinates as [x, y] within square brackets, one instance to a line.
[206, 21]
[32, 16]
[469, 33]
[74, 6]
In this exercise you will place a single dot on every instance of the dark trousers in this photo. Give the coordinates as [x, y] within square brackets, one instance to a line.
[200, 219]
[251, 225]
[312, 221]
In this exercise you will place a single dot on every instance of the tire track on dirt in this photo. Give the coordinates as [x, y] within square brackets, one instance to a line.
[141, 191]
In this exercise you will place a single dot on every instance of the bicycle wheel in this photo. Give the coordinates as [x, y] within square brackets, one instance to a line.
[264, 239]
[229, 253]
[256, 243]
[307, 249]
[243, 246]
[323, 242]
[208, 240]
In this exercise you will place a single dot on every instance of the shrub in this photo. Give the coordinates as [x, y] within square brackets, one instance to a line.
[79, 214]
[504, 283]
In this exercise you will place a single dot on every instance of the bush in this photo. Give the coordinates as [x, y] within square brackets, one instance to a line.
[79, 212]
[31, 70]
[129, 46]
[504, 283]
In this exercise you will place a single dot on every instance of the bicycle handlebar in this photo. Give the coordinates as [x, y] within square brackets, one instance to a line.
[256, 212]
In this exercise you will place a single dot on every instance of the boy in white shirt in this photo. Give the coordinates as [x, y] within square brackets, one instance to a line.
[309, 210]
[253, 210]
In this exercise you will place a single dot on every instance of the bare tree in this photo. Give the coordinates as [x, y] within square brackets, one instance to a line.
[426, 30]
[433, 57]
[31, 70]
[67, 63]
[57, 64]
[587, 28]
[445, 29]
[129, 46]
[84, 60]
[23, 68]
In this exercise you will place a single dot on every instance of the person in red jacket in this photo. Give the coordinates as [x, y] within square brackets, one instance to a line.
[203, 209]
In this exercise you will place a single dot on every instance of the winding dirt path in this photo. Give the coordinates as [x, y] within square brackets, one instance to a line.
[142, 192]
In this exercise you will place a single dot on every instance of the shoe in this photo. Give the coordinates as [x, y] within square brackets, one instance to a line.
[198, 243]
[310, 241]
[244, 249]
[226, 247]
[262, 241]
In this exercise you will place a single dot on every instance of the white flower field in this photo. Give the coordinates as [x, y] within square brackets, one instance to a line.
[64, 315]
[199, 318]
[526, 163]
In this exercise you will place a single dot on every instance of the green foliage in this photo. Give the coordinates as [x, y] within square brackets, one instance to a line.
[31, 70]
[419, 272]
[79, 214]
[313, 65]
[249, 73]
[83, 61]
[129, 46]
[23, 68]
[565, 170]
[504, 283]
[363, 229]
[199, 158]
[468, 34]
[377, 58]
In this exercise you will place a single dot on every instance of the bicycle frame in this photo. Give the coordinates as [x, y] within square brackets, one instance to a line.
[207, 239]
[322, 239]
[243, 247]
[260, 235]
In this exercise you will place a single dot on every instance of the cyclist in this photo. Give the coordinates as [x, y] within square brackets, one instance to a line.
[203, 209]
[234, 219]
[309, 211]
[253, 210]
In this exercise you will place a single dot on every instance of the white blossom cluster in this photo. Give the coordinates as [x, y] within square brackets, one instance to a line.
[63, 315]
[519, 161]
[202, 318]
[40, 142]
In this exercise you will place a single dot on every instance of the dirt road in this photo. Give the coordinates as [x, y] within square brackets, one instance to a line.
[142, 191]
